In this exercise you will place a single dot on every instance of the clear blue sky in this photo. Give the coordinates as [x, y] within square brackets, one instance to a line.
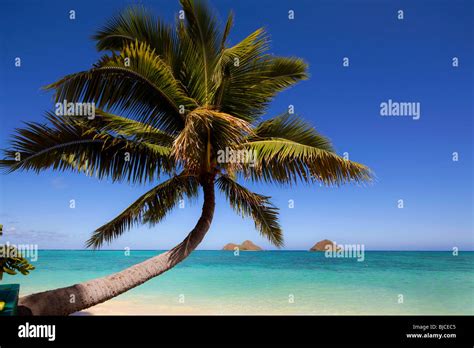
[408, 60]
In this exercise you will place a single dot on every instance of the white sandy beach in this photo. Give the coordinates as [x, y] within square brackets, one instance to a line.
[126, 307]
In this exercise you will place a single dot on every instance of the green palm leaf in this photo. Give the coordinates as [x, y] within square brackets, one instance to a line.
[250, 77]
[247, 203]
[286, 161]
[150, 208]
[145, 89]
[202, 35]
[62, 145]
[291, 127]
[126, 127]
[136, 24]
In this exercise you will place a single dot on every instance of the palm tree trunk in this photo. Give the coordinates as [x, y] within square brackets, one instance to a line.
[65, 301]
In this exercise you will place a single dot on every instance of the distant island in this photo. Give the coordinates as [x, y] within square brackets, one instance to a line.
[325, 245]
[247, 245]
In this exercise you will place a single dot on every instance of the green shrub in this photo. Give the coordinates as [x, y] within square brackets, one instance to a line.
[12, 262]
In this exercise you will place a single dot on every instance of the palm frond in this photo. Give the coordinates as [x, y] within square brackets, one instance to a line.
[62, 145]
[291, 127]
[282, 72]
[285, 161]
[136, 24]
[136, 83]
[201, 34]
[234, 67]
[228, 26]
[126, 127]
[150, 208]
[247, 203]
[247, 77]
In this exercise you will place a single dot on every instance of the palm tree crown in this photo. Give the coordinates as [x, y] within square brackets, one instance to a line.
[169, 99]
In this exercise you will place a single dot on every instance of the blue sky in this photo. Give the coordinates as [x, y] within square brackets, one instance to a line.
[407, 60]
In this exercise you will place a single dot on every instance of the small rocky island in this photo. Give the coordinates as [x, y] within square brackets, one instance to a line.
[325, 245]
[248, 245]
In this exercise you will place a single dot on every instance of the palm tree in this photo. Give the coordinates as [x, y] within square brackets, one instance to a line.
[168, 100]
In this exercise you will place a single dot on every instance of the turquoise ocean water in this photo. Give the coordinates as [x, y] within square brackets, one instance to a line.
[278, 282]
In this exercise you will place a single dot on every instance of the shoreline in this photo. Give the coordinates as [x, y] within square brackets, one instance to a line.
[125, 308]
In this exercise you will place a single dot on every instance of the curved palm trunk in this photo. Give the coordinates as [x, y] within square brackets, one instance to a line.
[65, 301]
